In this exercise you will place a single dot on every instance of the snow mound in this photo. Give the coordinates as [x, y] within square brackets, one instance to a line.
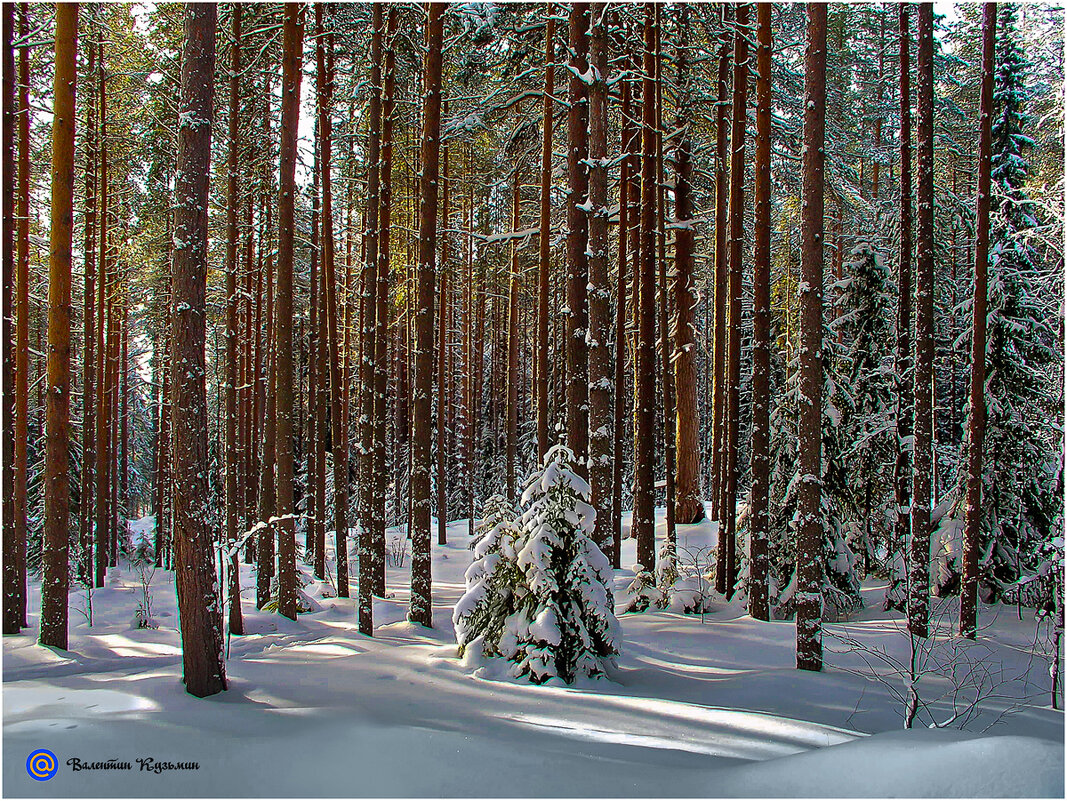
[920, 763]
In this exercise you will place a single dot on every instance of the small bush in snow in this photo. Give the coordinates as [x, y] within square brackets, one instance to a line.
[538, 593]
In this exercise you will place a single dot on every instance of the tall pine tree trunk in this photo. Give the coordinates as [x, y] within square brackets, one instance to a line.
[545, 237]
[809, 550]
[233, 500]
[732, 394]
[55, 581]
[577, 241]
[22, 328]
[644, 520]
[198, 593]
[761, 334]
[977, 421]
[919, 551]
[421, 607]
[283, 311]
[601, 372]
[902, 367]
[12, 616]
[689, 505]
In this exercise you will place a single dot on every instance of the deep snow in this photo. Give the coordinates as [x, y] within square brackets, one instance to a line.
[713, 708]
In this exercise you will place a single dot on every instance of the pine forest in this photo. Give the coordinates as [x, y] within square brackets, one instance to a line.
[667, 394]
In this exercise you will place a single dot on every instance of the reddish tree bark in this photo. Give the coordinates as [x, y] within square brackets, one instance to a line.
[232, 499]
[977, 422]
[198, 594]
[919, 550]
[761, 335]
[55, 582]
[644, 521]
[283, 349]
[545, 237]
[421, 606]
[809, 549]
[577, 241]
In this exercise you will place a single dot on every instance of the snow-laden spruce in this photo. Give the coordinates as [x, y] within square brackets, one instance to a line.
[538, 593]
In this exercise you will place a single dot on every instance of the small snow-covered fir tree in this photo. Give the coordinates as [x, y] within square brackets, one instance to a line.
[492, 580]
[864, 363]
[841, 590]
[539, 592]
[565, 624]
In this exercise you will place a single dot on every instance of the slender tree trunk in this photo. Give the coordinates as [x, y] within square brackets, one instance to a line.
[545, 236]
[644, 518]
[577, 241]
[977, 422]
[809, 550]
[421, 607]
[382, 309]
[901, 486]
[442, 364]
[55, 582]
[265, 544]
[12, 589]
[22, 332]
[369, 310]
[719, 353]
[601, 372]
[232, 493]
[103, 407]
[198, 594]
[283, 349]
[761, 335]
[511, 397]
[919, 552]
[316, 512]
[728, 514]
[630, 144]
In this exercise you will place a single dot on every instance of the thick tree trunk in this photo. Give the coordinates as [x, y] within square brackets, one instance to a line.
[421, 608]
[644, 520]
[55, 582]
[689, 505]
[283, 349]
[198, 594]
[233, 495]
[577, 241]
[977, 422]
[919, 551]
[761, 335]
[809, 550]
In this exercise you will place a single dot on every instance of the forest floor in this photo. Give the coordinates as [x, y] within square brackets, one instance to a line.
[699, 707]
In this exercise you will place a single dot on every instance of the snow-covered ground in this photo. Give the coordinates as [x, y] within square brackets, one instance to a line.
[698, 708]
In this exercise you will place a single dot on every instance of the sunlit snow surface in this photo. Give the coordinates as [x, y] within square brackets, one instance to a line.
[696, 709]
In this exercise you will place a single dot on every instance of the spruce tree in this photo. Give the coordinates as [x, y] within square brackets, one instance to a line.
[1019, 497]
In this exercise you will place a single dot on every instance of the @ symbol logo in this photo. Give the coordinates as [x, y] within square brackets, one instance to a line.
[42, 764]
